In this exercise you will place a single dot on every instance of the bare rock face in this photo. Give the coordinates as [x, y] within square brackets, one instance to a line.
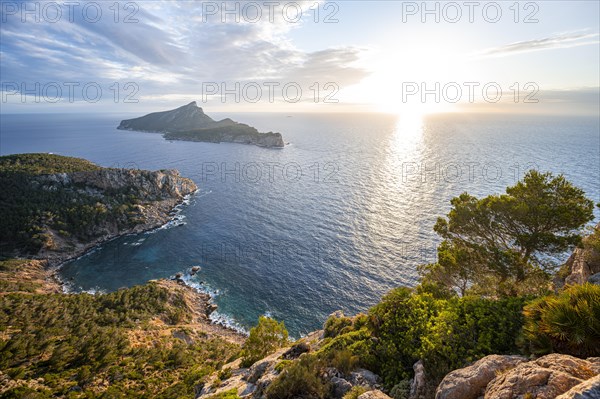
[583, 264]
[589, 389]
[582, 267]
[152, 185]
[470, 382]
[544, 378]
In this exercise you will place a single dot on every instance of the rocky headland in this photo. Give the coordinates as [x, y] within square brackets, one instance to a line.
[82, 205]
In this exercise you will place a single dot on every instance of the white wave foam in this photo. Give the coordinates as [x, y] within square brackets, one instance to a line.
[227, 322]
[215, 317]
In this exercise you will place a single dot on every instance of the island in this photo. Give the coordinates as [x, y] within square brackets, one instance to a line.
[190, 123]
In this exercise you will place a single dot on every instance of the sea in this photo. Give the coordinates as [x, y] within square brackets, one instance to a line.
[333, 221]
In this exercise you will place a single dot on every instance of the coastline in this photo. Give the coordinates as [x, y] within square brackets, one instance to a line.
[220, 324]
[159, 220]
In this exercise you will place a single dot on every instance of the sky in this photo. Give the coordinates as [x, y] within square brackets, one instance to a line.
[301, 56]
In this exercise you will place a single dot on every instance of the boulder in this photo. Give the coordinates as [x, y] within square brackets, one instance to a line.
[364, 378]
[594, 279]
[258, 369]
[544, 378]
[470, 382]
[589, 389]
[376, 394]
[339, 387]
[296, 350]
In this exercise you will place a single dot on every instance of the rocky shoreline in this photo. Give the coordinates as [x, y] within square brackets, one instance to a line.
[56, 260]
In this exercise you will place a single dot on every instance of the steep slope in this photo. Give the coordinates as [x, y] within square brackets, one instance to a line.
[56, 207]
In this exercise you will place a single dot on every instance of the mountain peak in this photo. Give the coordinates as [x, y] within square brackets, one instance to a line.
[192, 104]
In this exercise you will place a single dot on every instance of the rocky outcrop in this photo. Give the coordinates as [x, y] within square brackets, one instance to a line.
[418, 385]
[544, 378]
[584, 262]
[470, 382]
[163, 184]
[589, 389]
[254, 381]
[190, 123]
[512, 377]
[156, 193]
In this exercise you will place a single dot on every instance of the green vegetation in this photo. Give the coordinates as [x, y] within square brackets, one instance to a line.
[487, 294]
[81, 345]
[265, 338]
[214, 134]
[300, 380]
[470, 303]
[44, 164]
[565, 323]
[494, 245]
[33, 204]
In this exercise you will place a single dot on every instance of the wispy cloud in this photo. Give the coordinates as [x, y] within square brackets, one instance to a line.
[562, 40]
[172, 49]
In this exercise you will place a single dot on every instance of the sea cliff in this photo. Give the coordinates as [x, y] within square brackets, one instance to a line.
[78, 205]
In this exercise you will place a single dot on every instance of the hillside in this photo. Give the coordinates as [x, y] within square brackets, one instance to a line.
[150, 341]
[56, 207]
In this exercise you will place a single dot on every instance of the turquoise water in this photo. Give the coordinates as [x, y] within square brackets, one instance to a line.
[333, 221]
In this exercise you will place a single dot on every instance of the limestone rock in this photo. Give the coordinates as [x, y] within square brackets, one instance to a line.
[589, 389]
[364, 378]
[296, 350]
[594, 279]
[417, 386]
[544, 378]
[376, 394]
[470, 382]
[339, 387]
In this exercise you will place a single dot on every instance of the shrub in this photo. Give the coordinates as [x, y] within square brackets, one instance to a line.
[335, 326]
[566, 323]
[355, 392]
[344, 361]
[445, 333]
[265, 338]
[401, 390]
[300, 379]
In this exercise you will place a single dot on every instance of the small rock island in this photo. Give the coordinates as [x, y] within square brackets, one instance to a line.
[190, 123]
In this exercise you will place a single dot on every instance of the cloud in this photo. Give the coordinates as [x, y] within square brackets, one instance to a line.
[169, 51]
[563, 40]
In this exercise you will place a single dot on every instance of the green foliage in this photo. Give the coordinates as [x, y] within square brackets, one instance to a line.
[44, 164]
[466, 329]
[355, 392]
[265, 338]
[335, 325]
[495, 244]
[32, 204]
[445, 333]
[299, 380]
[230, 394]
[565, 323]
[82, 339]
[401, 390]
[344, 360]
